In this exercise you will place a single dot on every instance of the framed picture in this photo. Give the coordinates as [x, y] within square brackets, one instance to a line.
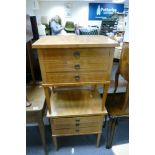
[68, 10]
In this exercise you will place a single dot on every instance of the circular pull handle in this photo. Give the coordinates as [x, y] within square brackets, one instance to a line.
[77, 120]
[76, 54]
[77, 124]
[77, 77]
[77, 130]
[77, 66]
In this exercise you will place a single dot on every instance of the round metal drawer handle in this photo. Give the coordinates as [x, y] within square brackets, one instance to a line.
[77, 66]
[76, 54]
[77, 77]
[77, 124]
[77, 130]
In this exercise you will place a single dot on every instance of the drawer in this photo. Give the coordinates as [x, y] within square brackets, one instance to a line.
[76, 77]
[77, 131]
[75, 125]
[83, 64]
[74, 120]
[74, 54]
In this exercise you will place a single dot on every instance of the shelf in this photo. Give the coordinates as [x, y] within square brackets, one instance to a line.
[120, 30]
[108, 25]
[119, 13]
[76, 103]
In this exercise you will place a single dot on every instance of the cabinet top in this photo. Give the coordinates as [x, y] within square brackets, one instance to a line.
[74, 41]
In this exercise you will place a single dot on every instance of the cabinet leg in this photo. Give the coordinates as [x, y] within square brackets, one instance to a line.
[105, 92]
[47, 95]
[55, 142]
[98, 139]
[42, 133]
[111, 131]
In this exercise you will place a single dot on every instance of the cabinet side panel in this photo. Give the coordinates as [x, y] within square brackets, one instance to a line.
[42, 67]
[111, 56]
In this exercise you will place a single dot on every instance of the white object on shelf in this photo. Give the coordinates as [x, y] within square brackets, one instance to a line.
[117, 52]
[41, 30]
[44, 20]
[126, 34]
[121, 22]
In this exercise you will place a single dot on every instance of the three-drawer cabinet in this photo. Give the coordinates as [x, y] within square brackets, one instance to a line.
[76, 112]
[75, 61]
[83, 65]
[76, 125]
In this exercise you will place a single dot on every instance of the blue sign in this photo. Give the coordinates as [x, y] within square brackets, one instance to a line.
[126, 10]
[99, 11]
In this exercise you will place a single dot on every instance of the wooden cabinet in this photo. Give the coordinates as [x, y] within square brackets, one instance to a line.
[76, 112]
[76, 65]
[69, 61]
[72, 115]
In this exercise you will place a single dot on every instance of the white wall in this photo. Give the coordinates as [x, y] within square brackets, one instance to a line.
[52, 8]
[29, 7]
[79, 11]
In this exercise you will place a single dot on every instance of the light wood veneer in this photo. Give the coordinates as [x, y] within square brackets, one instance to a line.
[69, 61]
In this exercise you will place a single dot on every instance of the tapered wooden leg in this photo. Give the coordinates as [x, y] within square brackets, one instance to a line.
[42, 133]
[116, 79]
[126, 101]
[55, 142]
[105, 92]
[111, 131]
[47, 95]
[98, 139]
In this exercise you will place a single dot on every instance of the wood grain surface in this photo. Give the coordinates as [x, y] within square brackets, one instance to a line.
[74, 41]
[76, 103]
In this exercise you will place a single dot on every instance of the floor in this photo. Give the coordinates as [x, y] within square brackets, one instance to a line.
[79, 145]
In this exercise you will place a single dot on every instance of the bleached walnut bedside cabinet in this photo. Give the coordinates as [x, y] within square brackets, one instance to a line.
[73, 60]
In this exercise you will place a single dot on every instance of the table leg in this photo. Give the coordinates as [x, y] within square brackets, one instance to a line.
[55, 142]
[111, 131]
[98, 139]
[42, 133]
[105, 121]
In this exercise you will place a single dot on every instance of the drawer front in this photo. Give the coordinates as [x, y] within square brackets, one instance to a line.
[84, 64]
[74, 120]
[75, 125]
[74, 54]
[77, 131]
[76, 77]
